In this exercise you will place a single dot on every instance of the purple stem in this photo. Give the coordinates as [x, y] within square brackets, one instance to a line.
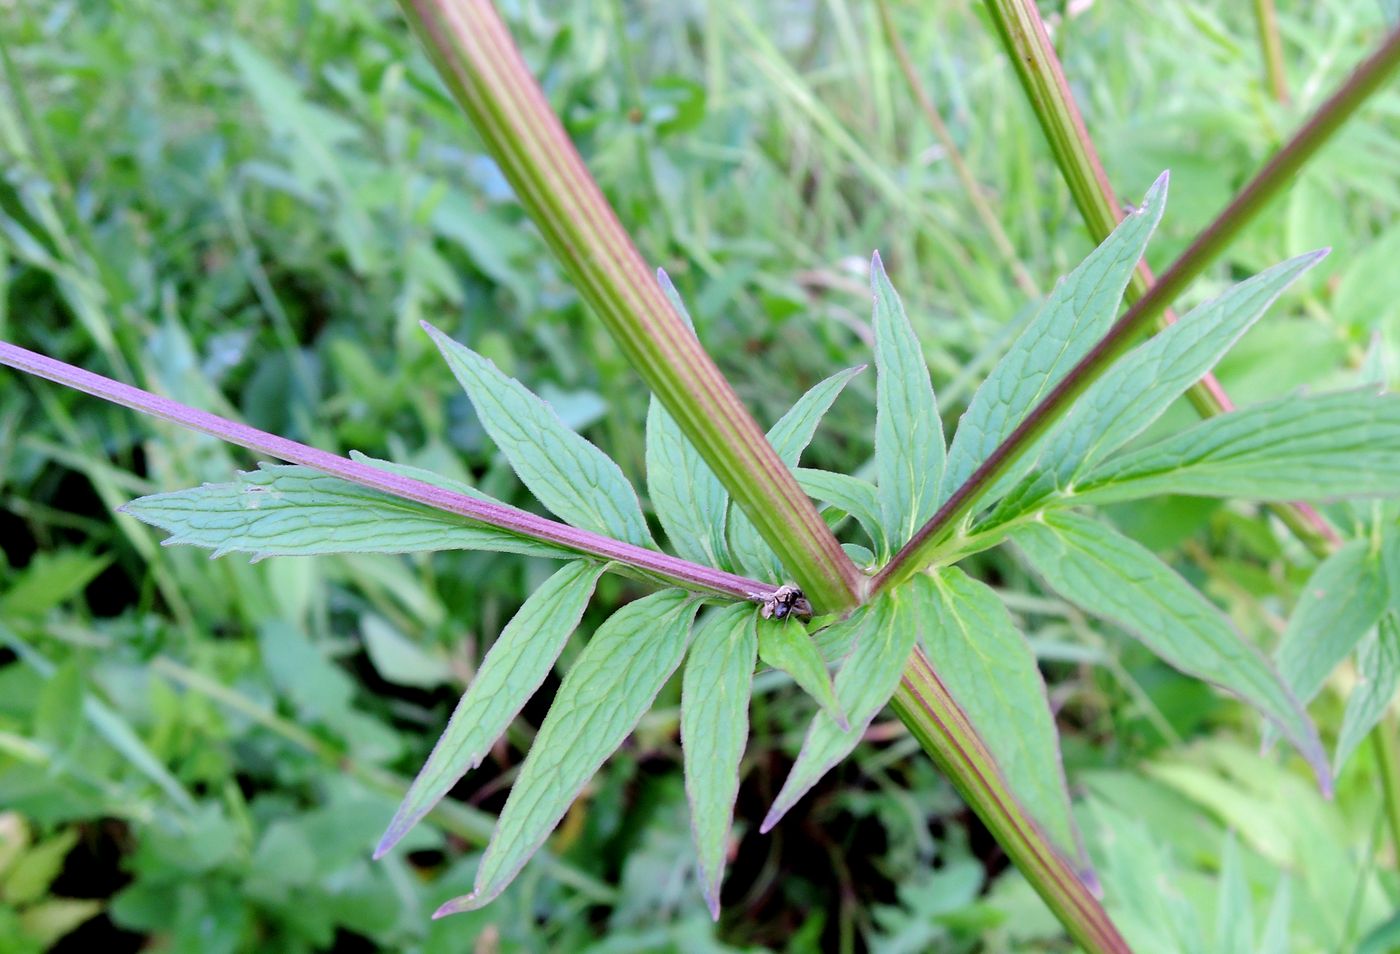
[683, 572]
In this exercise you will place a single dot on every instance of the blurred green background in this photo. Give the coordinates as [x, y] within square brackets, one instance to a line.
[249, 207]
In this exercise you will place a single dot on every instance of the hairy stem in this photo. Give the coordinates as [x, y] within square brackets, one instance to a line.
[1276, 175]
[484, 71]
[672, 569]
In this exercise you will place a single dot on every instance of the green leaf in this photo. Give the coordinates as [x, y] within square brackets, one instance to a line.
[785, 645]
[50, 579]
[1343, 598]
[991, 672]
[883, 632]
[1141, 386]
[1378, 676]
[512, 671]
[1077, 314]
[789, 437]
[690, 502]
[1324, 447]
[1276, 934]
[1112, 577]
[573, 478]
[282, 510]
[909, 448]
[857, 497]
[600, 701]
[714, 728]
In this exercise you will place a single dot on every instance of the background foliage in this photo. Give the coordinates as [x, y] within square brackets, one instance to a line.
[251, 208]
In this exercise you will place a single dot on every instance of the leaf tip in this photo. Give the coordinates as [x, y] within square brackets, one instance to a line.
[467, 902]
[712, 900]
[775, 815]
[877, 265]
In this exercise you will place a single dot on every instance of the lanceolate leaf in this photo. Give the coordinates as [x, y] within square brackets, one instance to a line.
[1343, 598]
[1141, 386]
[283, 510]
[690, 502]
[909, 448]
[857, 497]
[884, 632]
[789, 437]
[1110, 576]
[1378, 676]
[991, 672]
[565, 472]
[1300, 448]
[600, 701]
[513, 670]
[785, 645]
[1075, 316]
[714, 727]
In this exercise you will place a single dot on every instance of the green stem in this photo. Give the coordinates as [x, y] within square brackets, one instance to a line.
[924, 704]
[1266, 18]
[484, 71]
[1276, 176]
[1038, 66]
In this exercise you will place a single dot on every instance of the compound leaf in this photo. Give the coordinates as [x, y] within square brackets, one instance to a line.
[1112, 577]
[565, 472]
[883, 632]
[1323, 447]
[789, 437]
[785, 645]
[909, 448]
[714, 727]
[991, 672]
[600, 701]
[286, 510]
[1077, 314]
[512, 671]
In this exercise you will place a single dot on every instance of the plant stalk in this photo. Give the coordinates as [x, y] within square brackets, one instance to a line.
[484, 71]
[1272, 179]
[672, 569]
[1038, 66]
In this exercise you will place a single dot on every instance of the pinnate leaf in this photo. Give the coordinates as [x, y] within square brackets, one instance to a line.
[1144, 383]
[1324, 447]
[285, 510]
[565, 472]
[1078, 312]
[785, 645]
[714, 728]
[600, 701]
[991, 672]
[1112, 577]
[512, 671]
[909, 448]
[789, 437]
[884, 632]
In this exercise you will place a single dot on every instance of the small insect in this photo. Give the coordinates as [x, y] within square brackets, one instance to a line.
[785, 600]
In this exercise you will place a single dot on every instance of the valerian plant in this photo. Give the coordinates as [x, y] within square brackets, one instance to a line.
[1323, 447]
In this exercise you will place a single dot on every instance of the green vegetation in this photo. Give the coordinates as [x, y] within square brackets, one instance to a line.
[254, 217]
